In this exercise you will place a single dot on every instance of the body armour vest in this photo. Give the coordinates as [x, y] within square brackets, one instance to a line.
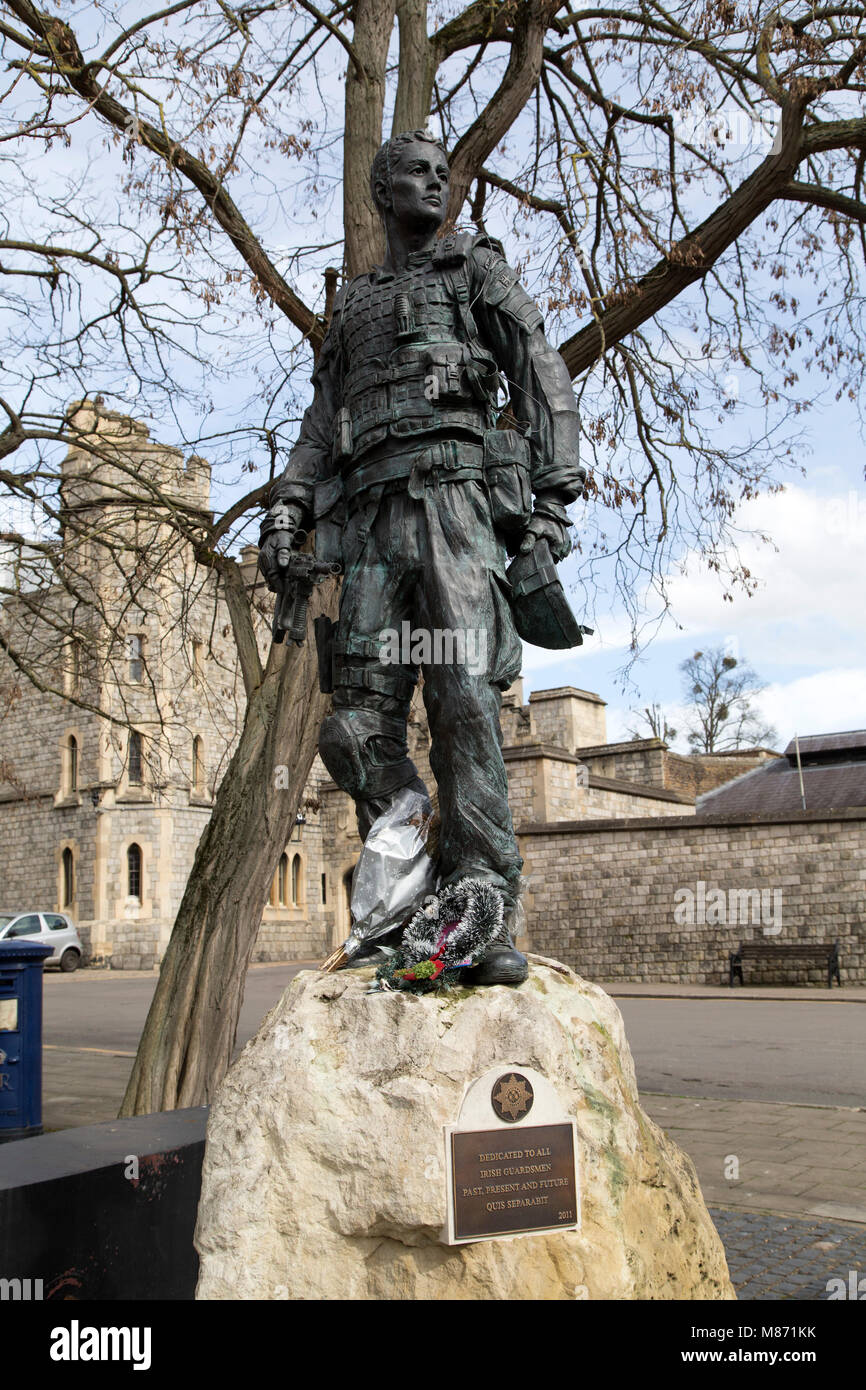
[413, 363]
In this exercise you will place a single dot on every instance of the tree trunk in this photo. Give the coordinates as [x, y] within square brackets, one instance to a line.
[189, 1036]
[415, 77]
[365, 104]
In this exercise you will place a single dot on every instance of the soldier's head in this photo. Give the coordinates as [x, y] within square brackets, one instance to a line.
[409, 179]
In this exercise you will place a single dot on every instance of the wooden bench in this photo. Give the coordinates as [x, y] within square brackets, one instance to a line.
[827, 952]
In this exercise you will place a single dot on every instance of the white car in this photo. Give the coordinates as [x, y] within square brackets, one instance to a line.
[52, 929]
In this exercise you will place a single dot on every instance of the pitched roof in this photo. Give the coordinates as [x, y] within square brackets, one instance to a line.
[774, 789]
[812, 744]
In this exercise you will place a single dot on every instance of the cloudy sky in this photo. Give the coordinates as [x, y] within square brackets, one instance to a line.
[804, 630]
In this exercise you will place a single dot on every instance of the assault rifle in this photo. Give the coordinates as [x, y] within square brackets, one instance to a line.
[300, 573]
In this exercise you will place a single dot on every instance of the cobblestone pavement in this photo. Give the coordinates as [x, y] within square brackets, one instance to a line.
[774, 1258]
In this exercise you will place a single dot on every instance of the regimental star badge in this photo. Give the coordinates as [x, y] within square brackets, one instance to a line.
[512, 1097]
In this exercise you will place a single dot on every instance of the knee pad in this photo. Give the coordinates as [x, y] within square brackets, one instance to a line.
[365, 752]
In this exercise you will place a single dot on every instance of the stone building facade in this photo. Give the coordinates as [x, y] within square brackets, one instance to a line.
[100, 813]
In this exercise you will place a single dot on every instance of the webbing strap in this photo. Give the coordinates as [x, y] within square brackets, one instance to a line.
[397, 683]
[358, 646]
[461, 461]
[544, 575]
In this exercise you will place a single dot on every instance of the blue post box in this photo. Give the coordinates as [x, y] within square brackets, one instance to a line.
[21, 1038]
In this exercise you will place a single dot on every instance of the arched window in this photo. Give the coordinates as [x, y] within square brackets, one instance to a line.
[72, 766]
[135, 758]
[282, 881]
[133, 872]
[68, 860]
[297, 881]
[198, 766]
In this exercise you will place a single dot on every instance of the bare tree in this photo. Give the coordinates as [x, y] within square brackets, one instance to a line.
[653, 722]
[682, 185]
[721, 693]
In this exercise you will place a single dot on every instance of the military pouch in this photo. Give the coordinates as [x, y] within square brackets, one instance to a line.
[325, 631]
[506, 477]
[329, 510]
[342, 435]
[542, 613]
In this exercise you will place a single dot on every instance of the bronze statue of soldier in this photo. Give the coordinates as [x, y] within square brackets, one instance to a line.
[418, 495]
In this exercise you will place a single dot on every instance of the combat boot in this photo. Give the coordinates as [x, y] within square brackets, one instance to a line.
[501, 963]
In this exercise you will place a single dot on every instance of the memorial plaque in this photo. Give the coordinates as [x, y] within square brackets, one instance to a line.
[509, 1172]
[512, 1182]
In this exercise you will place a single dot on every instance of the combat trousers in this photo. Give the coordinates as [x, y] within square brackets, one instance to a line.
[431, 564]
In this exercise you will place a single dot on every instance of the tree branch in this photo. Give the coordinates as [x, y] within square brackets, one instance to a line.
[69, 62]
[690, 258]
[813, 194]
[515, 89]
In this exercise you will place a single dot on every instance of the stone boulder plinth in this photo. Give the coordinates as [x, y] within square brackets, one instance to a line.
[324, 1173]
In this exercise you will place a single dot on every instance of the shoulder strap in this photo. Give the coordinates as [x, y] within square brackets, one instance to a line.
[453, 248]
[457, 277]
[490, 243]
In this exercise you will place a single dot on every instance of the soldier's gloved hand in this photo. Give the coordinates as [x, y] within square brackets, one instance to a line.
[277, 532]
[549, 522]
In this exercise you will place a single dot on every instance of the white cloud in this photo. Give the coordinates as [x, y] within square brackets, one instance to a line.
[808, 607]
[825, 703]
[804, 630]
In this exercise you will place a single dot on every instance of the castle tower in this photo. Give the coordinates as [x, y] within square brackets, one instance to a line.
[117, 486]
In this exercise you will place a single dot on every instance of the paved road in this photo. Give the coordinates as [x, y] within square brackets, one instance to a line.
[806, 1053]
[798, 1159]
[92, 1021]
[107, 1009]
[772, 1258]
[803, 1052]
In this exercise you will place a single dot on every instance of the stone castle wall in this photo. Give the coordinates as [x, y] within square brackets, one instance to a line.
[601, 799]
[642, 760]
[703, 772]
[603, 896]
[651, 763]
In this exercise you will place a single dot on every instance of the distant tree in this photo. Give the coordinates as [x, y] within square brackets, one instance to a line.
[720, 691]
[653, 721]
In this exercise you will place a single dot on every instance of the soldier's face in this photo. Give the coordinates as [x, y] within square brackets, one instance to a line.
[419, 185]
